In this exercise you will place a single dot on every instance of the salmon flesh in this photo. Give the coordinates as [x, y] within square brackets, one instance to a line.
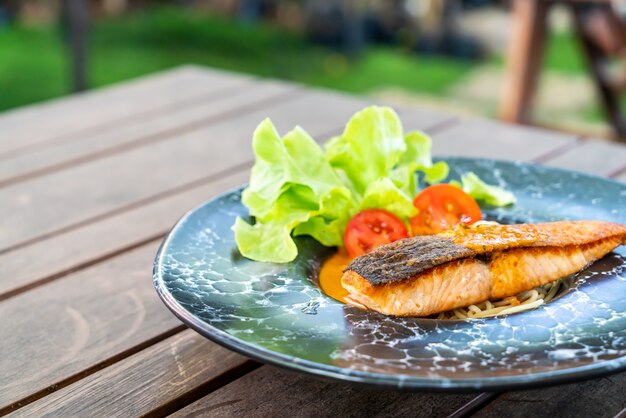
[425, 275]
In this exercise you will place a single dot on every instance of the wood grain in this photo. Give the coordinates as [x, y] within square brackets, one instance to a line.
[80, 193]
[592, 156]
[142, 130]
[490, 139]
[161, 125]
[63, 253]
[269, 391]
[25, 114]
[418, 118]
[594, 398]
[158, 378]
[55, 332]
[86, 112]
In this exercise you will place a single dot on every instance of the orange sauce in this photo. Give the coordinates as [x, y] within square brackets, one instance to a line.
[330, 277]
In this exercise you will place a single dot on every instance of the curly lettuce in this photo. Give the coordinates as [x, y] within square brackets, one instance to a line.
[485, 193]
[291, 183]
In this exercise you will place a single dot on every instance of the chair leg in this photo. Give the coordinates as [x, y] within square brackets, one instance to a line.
[609, 94]
[524, 59]
[75, 16]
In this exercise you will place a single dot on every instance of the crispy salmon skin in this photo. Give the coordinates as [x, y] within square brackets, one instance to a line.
[425, 275]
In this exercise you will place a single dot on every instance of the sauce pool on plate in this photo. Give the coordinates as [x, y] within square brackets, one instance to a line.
[330, 277]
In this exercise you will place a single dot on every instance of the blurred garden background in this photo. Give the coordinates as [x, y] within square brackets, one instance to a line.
[441, 54]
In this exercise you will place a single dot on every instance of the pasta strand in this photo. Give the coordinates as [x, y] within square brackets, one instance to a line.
[523, 301]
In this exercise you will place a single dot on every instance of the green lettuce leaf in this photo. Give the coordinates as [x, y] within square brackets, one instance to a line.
[277, 247]
[417, 158]
[378, 162]
[384, 194]
[329, 222]
[295, 159]
[290, 181]
[371, 145]
[486, 193]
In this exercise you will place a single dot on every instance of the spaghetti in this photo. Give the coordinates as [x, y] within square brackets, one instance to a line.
[523, 301]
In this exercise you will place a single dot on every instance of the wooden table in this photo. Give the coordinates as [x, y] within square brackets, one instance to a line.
[90, 184]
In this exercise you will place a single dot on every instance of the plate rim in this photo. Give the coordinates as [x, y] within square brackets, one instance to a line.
[592, 370]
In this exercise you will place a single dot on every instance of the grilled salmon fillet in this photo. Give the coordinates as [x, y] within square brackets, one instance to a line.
[425, 275]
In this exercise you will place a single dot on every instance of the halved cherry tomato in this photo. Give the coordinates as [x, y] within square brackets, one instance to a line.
[441, 207]
[372, 228]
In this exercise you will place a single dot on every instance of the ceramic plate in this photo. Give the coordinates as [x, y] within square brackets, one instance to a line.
[275, 313]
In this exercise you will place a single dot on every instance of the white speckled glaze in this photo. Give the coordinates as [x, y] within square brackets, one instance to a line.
[277, 314]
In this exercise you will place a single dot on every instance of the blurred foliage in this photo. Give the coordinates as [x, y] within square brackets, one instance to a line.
[564, 54]
[33, 66]
[34, 63]
[383, 67]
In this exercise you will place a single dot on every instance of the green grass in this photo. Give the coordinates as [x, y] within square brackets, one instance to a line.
[564, 54]
[383, 67]
[33, 67]
[33, 64]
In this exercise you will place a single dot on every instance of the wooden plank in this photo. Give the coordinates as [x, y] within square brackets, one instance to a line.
[119, 180]
[599, 397]
[593, 157]
[490, 139]
[51, 258]
[158, 378]
[82, 193]
[269, 391]
[141, 131]
[61, 331]
[20, 115]
[161, 85]
[84, 112]
[474, 405]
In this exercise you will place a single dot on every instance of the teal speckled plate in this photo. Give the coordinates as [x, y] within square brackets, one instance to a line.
[275, 313]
